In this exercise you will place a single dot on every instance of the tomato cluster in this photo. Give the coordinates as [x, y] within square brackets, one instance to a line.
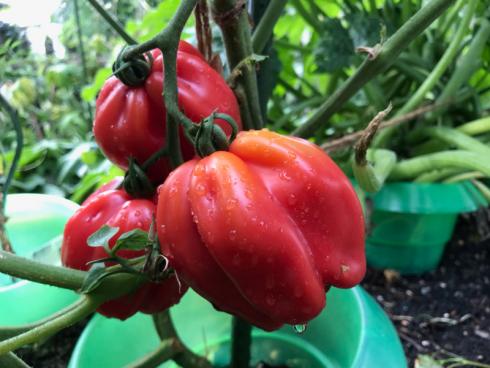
[261, 230]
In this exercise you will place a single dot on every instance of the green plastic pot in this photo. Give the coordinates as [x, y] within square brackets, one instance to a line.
[352, 332]
[35, 227]
[412, 222]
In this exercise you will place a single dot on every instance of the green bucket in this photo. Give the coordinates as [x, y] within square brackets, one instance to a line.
[353, 331]
[35, 226]
[412, 222]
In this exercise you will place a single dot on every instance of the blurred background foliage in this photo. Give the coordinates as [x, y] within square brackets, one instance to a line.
[312, 52]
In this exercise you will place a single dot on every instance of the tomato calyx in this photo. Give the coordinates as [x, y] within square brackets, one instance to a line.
[132, 72]
[136, 183]
[153, 266]
[208, 137]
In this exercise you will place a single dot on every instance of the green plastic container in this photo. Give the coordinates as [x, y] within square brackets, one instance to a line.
[35, 225]
[411, 223]
[352, 332]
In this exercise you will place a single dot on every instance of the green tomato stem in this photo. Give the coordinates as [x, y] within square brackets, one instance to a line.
[27, 269]
[436, 73]
[371, 67]
[182, 355]
[476, 127]
[265, 28]
[168, 42]
[456, 138]
[484, 189]
[161, 354]
[408, 169]
[241, 340]
[464, 176]
[372, 174]
[438, 175]
[307, 16]
[8, 332]
[468, 63]
[113, 22]
[10, 360]
[82, 310]
[235, 30]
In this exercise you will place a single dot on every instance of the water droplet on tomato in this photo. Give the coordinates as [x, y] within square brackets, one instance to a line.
[232, 235]
[270, 300]
[292, 199]
[200, 189]
[199, 170]
[284, 175]
[299, 329]
[231, 203]
[163, 229]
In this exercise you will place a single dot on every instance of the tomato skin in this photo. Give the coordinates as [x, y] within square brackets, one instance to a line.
[117, 209]
[262, 231]
[130, 121]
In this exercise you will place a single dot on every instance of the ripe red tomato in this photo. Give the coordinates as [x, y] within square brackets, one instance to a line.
[117, 209]
[262, 231]
[130, 121]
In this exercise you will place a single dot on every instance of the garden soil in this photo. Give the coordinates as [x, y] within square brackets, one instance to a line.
[445, 313]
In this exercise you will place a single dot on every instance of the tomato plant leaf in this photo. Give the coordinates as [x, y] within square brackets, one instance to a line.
[135, 239]
[102, 236]
[334, 50]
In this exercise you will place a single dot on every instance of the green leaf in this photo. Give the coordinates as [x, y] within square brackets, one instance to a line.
[102, 236]
[135, 239]
[364, 30]
[334, 49]
[93, 279]
[89, 92]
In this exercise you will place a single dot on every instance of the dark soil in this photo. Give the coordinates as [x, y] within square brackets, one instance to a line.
[446, 312]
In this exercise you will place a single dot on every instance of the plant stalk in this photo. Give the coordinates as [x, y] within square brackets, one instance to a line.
[241, 341]
[113, 22]
[232, 18]
[10, 360]
[182, 355]
[265, 28]
[385, 57]
[82, 310]
[436, 73]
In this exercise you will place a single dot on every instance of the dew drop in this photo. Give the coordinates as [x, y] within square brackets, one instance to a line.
[299, 329]
[270, 300]
[231, 203]
[199, 170]
[163, 229]
[292, 199]
[284, 176]
[200, 189]
[232, 235]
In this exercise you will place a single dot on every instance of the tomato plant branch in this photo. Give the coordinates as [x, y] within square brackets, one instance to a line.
[82, 310]
[14, 117]
[28, 269]
[7, 332]
[264, 29]
[167, 41]
[436, 73]
[232, 18]
[164, 352]
[10, 360]
[386, 56]
[349, 139]
[410, 168]
[113, 22]
[241, 340]
[181, 353]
